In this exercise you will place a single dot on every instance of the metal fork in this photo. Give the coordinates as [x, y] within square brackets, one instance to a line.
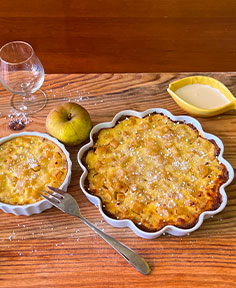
[66, 203]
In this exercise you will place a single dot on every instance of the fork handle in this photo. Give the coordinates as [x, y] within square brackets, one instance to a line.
[132, 257]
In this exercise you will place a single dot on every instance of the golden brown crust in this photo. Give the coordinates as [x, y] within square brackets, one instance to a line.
[28, 165]
[155, 172]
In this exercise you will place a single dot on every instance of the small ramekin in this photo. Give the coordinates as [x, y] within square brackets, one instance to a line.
[41, 205]
[128, 223]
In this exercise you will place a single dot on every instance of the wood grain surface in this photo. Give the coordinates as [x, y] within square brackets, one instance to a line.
[52, 249]
[72, 36]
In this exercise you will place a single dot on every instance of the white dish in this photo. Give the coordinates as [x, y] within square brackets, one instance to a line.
[128, 223]
[42, 205]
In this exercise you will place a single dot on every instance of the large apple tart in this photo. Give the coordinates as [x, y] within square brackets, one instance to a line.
[28, 165]
[155, 172]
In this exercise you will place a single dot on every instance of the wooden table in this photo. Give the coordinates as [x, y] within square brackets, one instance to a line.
[56, 250]
[72, 36]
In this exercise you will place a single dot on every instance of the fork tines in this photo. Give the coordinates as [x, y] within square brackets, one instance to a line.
[55, 196]
[52, 198]
[56, 190]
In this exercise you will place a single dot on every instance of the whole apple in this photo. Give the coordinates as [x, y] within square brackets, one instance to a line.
[70, 123]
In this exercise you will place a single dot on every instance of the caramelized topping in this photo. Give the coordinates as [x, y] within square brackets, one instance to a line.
[156, 172]
[28, 165]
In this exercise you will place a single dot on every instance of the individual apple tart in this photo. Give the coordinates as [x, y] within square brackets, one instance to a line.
[155, 172]
[28, 165]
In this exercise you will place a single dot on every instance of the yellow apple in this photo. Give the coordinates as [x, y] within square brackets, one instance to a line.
[70, 123]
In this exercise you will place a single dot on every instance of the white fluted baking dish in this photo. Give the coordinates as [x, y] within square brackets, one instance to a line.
[128, 223]
[41, 205]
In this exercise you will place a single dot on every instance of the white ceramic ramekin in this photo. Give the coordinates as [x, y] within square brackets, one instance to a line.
[42, 205]
[128, 223]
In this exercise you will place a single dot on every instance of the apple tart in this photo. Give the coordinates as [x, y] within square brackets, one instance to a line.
[28, 165]
[155, 172]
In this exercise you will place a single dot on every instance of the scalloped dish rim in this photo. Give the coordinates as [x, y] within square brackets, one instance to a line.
[128, 223]
[40, 206]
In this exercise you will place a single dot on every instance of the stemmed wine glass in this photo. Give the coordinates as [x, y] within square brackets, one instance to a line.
[22, 73]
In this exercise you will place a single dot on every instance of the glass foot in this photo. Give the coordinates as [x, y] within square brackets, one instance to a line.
[16, 125]
[30, 104]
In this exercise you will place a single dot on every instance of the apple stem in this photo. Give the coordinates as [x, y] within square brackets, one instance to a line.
[69, 116]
